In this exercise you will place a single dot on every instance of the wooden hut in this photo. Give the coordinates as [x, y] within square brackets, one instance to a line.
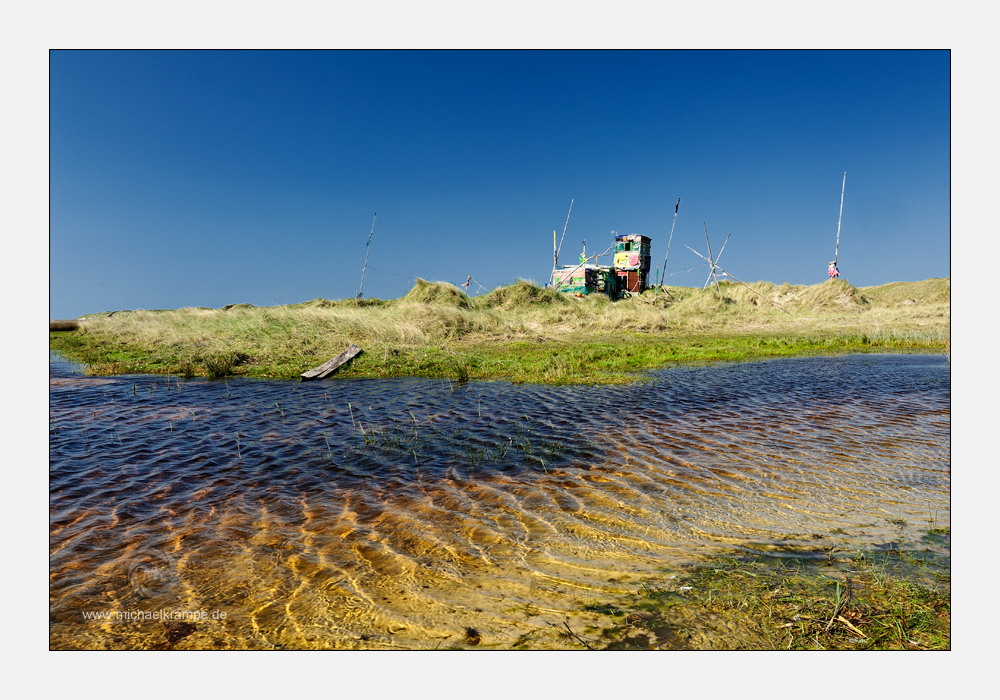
[632, 261]
[628, 273]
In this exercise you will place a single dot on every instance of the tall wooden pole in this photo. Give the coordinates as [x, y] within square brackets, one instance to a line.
[556, 251]
[367, 248]
[837, 251]
[564, 231]
[656, 291]
[711, 262]
[717, 258]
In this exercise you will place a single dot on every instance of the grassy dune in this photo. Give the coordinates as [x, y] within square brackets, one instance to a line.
[520, 332]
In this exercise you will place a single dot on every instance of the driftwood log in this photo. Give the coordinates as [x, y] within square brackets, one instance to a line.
[328, 368]
[63, 324]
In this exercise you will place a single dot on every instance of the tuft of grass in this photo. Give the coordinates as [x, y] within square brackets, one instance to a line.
[521, 295]
[439, 293]
[222, 364]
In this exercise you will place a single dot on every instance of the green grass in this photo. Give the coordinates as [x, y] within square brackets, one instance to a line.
[519, 333]
[875, 603]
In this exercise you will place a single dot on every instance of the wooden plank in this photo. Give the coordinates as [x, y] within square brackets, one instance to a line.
[328, 368]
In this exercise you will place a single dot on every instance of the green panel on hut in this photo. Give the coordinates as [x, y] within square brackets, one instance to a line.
[574, 279]
[632, 242]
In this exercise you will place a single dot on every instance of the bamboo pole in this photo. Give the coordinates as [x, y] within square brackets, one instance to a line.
[710, 261]
[555, 250]
[367, 248]
[555, 259]
[836, 253]
[656, 291]
[698, 254]
[726, 274]
[555, 284]
[564, 231]
[717, 260]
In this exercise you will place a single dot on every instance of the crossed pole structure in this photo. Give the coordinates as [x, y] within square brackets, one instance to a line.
[714, 268]
[712, 264]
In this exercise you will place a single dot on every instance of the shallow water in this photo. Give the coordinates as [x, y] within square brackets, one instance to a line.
[409, 512]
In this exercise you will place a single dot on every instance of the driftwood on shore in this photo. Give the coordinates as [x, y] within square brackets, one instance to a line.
[328, 368]
[63, 324]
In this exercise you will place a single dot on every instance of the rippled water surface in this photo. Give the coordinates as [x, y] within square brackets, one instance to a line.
[405, 513]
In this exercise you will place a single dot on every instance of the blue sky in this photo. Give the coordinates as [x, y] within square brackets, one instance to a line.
[210, 178]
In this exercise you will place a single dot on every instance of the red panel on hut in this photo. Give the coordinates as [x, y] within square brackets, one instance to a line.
[633, 280]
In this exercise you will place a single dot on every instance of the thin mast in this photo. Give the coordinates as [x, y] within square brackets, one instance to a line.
[556, 251]
[367, 248]
[656, 291]
[836, 253]
[564, 231]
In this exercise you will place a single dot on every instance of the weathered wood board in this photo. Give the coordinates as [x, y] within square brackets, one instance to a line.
[328, 368]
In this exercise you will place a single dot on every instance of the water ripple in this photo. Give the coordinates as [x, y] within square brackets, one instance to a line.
[395, 513]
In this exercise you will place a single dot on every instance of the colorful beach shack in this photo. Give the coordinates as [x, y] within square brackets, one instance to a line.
[628, 272]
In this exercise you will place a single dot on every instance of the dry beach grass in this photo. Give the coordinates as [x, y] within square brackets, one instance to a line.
[519, 332]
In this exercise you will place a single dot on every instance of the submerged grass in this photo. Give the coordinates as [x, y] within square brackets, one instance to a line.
[876, 602]
[520, 333]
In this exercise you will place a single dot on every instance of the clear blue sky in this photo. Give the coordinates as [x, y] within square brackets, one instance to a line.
[211, 178]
